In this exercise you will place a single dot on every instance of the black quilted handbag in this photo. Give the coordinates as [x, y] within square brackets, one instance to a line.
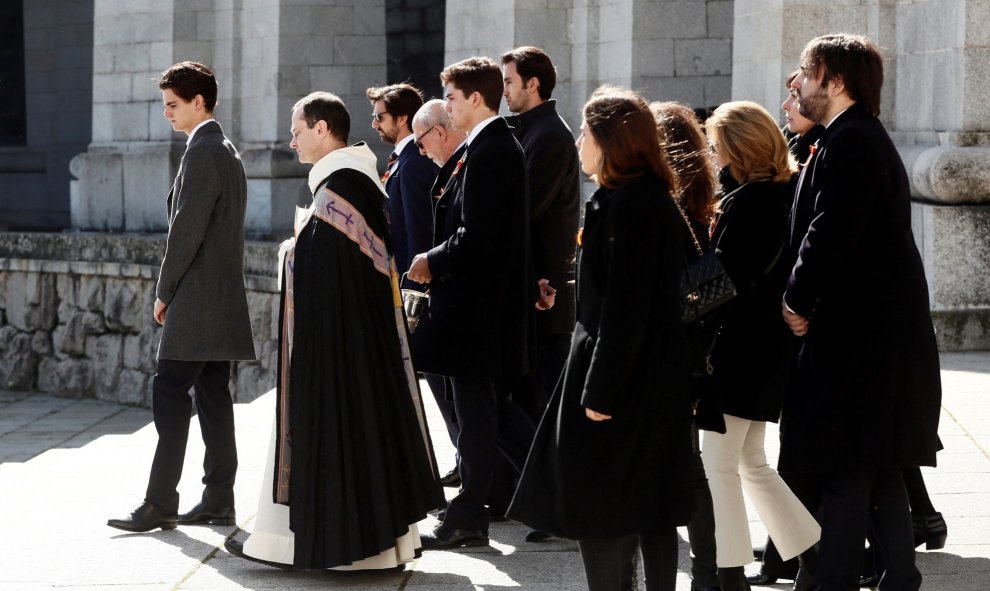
[705, 286]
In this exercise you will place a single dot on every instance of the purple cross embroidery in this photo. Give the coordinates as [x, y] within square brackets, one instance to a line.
[371, 243]
[349, 218]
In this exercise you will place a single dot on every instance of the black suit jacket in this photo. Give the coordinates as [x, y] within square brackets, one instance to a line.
[868, 388]
[555, 207]
[410, 209]
[481, 313]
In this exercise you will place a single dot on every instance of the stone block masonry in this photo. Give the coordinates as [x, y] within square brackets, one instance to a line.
[75, 316]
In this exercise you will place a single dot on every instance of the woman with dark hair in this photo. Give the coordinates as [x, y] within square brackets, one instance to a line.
[610, 465]
[683, 141]
[753, 350]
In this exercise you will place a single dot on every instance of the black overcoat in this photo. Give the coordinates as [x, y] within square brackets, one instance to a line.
[868, 390]
[410, 207]
[555, 207]
[480, 319]
[753, 349]
[628, 359]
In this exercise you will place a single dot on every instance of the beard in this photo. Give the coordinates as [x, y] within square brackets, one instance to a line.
[389, 137]
[813, 106]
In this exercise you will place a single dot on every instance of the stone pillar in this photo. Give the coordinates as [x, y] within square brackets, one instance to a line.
[936, 73]
[668, 50]
[266, 54]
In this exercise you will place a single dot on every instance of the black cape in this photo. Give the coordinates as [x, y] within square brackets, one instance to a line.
[361, 468]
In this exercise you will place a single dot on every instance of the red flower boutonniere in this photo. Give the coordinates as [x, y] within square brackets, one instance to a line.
[457, 169]
[813, 148]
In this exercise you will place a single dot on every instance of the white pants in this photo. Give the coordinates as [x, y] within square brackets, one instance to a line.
[736, 461]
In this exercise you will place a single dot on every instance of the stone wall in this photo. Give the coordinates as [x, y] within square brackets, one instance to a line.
[75, 316]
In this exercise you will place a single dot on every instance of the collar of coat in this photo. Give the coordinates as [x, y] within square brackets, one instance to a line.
[358, 157]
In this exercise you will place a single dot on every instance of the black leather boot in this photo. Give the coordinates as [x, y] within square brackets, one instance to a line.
[733, 578]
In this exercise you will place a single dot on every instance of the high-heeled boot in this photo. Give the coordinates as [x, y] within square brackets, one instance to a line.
[929, 530]
[733, 579]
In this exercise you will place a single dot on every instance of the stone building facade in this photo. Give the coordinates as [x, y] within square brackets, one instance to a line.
[75, 307]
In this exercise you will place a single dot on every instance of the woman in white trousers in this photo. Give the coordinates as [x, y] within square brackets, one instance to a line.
[753, 350]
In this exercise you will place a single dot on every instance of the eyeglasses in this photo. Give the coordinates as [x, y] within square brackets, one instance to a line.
[378, 116]
[419, 141]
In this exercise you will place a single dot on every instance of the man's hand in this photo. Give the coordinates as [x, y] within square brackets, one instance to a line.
[547, 295]
[596, 416]
[160, 309]
[797, 323]
[419, 270]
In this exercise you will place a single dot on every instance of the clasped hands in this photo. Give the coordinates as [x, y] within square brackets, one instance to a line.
[797, 323]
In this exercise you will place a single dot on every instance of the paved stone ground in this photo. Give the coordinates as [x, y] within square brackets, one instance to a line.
[67, 465]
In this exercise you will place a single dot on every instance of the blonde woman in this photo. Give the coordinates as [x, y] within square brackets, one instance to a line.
[753, 350]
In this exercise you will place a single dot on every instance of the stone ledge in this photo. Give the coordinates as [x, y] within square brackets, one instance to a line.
[129, 250]
[949, 173]
[962, 330]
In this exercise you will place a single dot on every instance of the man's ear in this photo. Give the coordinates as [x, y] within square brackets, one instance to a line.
[199, 102]
[533, 84]
[322, 127]
[401, 120]
[836, 85]
[476, 99]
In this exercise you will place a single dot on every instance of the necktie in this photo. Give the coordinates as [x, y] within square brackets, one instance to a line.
[388, 166]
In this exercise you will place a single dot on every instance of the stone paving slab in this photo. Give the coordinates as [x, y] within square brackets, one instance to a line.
[67, 465]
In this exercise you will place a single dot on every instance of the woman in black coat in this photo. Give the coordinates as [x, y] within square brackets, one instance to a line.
[753, 349]
[610, 464]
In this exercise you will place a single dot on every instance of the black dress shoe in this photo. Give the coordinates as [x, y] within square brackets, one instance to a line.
[203, 515]
[145, 517]
[759, 551]
[451, 479]
[538, 535]
[444, 538]
[869, 581]
[929, 530]
[761, 579]
[236, 548]
[732, 579]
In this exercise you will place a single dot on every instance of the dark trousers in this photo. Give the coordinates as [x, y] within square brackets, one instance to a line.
[852, 502]
[490, 422]
[438, 385]
[532, 391]
[701, 528]
[172, 407]
[610, 563]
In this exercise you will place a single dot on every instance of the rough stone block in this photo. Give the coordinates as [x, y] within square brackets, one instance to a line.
[140, 351]
[41, 343]
[3, 290]
[70, 338]
[134, 387]
[31, 301]
[252, 381]
[65, 377]
[105, 353]
[124, 309]
[720, 19]
[18, 363]
[129, 122]
[150, 172]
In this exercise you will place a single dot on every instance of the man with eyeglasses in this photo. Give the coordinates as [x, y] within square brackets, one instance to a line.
[408, 174]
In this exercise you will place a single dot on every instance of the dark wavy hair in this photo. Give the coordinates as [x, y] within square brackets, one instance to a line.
[476, 74]
[683, 140]
[622, 125]
[852, 58]
[533, 62]
[187, 79]
[399, 99]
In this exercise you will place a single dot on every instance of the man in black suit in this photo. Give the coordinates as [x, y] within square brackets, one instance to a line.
[437, 139]
[202, 306]
[408, 174]
[555, 201]
[482, 295]
[867, 392]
